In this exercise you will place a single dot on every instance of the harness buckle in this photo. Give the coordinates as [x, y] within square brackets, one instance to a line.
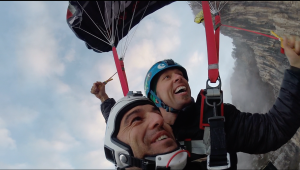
[215, 118]
[219, 167]
[213, 94]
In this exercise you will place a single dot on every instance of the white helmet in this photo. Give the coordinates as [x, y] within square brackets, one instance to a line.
[121, 154]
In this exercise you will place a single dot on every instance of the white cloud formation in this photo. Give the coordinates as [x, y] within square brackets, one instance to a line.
[15, 115]
[6, 141]
[70, 55]
[37, 46]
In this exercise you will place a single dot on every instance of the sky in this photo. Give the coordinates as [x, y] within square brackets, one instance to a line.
[48, 117]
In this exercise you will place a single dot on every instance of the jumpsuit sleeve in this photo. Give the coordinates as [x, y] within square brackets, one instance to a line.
[106, 107]
[261, 133]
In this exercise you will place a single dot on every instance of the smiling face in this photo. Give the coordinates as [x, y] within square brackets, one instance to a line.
[173, 89]
[144, 130]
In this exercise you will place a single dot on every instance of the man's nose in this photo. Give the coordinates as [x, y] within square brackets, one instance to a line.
[155, 120]
[176, 77]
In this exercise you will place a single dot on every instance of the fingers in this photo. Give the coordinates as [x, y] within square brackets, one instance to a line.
[292, 44]
[96, 86]
[291, 41]
[297, 46]
[287, 49]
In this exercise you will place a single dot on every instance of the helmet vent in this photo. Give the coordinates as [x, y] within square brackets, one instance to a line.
[109, 154]
[170, 62]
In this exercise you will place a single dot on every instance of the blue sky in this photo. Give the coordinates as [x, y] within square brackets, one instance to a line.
[48, 117]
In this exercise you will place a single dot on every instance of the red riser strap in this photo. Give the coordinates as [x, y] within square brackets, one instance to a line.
[213, 74]
[217, 34]
[121, 74]
[123, 70]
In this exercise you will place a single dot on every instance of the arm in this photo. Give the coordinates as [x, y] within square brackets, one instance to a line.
[261, 133]
[106, 107]
[98, 89]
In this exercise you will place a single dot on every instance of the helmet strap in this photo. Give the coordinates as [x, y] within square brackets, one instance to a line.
[140, 163]
[160, 103]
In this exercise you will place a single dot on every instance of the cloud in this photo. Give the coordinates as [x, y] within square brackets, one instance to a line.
[37, 45]
[194, 61]
[6, 141]
[61, 87]
[15, 115]
[96, 159]
[15, 166]
[70, 55]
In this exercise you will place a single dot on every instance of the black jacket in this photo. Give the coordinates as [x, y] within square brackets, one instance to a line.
[246, 132]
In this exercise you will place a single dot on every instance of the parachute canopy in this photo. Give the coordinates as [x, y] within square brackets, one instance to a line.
[102, 24]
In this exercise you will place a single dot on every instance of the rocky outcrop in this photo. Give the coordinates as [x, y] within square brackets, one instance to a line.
[259, 65]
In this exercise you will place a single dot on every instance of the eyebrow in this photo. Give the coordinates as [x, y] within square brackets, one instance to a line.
[155, 109]
[137, 111]
[132, 113]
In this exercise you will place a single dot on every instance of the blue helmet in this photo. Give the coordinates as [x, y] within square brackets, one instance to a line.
[152, 76]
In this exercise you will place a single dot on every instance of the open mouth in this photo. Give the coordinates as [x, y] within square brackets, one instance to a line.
[162, 137]
[180, 89]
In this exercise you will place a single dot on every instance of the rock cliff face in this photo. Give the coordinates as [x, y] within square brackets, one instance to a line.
[259, 65]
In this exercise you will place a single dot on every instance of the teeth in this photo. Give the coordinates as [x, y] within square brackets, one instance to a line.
[162, 137]
[179, 88]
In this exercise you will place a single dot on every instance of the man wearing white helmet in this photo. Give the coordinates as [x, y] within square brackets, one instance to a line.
[137, 136]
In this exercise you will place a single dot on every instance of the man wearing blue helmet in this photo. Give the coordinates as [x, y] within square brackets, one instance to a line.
[166, 84]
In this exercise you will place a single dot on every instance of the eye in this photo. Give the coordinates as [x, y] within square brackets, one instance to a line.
[180, 73]
[136, 119]
[166, 77]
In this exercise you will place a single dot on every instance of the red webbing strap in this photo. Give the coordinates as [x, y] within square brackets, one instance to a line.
[252, 31]
[217, 33]
[123, 70]
[281, 49]
[213, 68]
[121, 74]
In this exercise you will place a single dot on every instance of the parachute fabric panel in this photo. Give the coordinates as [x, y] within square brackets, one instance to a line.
[109, 21]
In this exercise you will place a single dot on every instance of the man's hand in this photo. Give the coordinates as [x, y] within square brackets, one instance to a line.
[292, 50]
[98, 89]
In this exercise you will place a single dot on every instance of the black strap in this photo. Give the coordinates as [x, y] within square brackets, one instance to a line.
[217, 26]
[188, 145]
[140, 163]
[218, 154]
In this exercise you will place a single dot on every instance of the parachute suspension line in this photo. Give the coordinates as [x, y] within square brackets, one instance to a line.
[130, 26]
[112, 22]
[108, 35]
[93, 22]
[136, 28]
[117, 21]
[107, 20]
[201, 6]
[123, 31]
[222, 6]
[212, 8]
[93, 35]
